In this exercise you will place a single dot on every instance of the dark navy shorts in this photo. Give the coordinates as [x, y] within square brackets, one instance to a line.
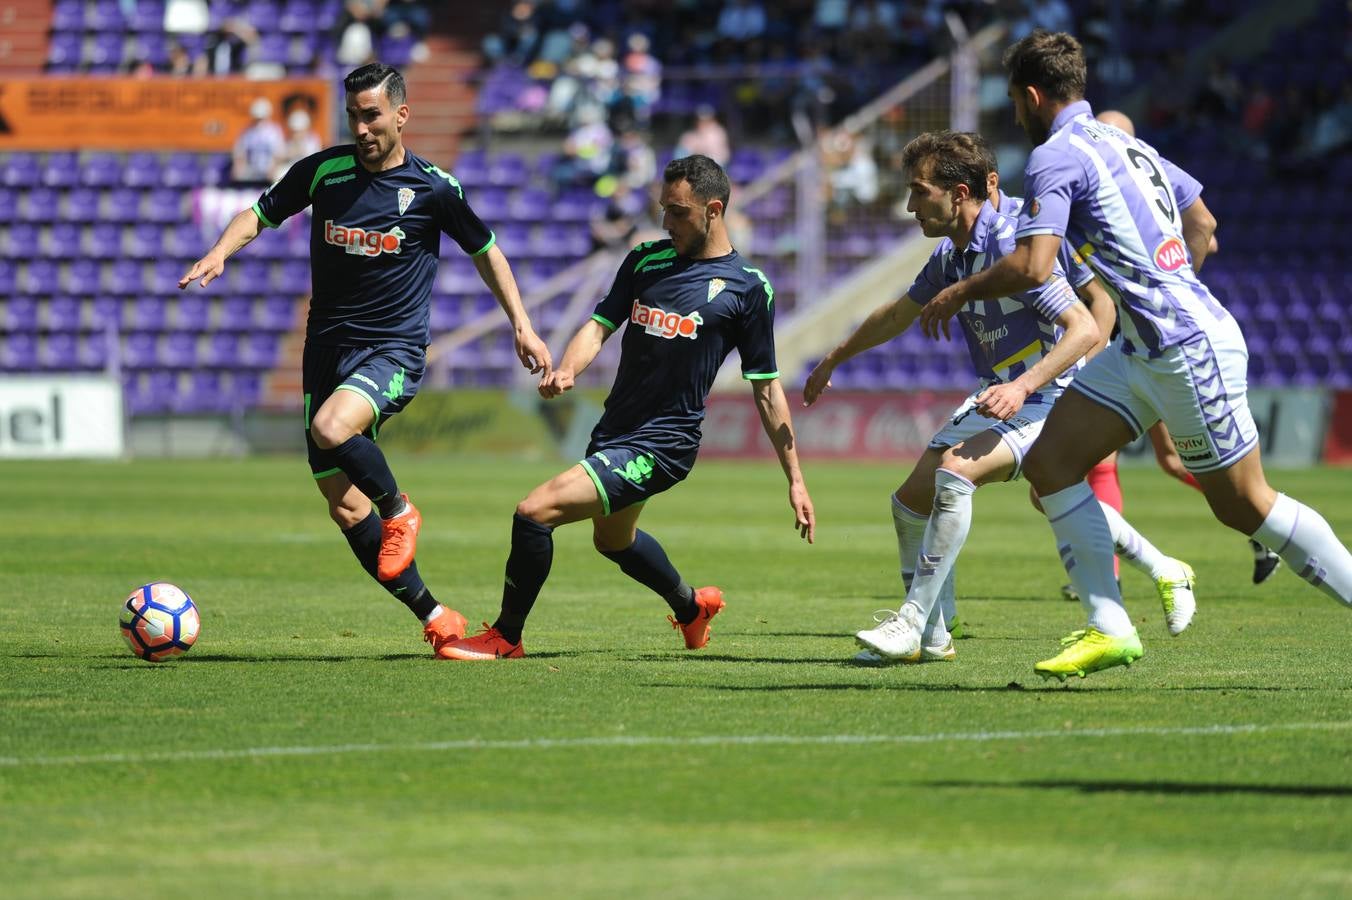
[386, 375]
[630, 472]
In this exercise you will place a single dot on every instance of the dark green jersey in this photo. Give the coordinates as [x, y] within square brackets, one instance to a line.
[685, 316]
[374, 242]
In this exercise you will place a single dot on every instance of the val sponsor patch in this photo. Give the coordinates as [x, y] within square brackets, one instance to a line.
[1171, 255]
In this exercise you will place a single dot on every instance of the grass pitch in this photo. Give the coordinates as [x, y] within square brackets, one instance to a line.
[308, 746]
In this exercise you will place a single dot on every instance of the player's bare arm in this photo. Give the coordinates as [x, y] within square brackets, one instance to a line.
[496, 273]
[581, 350]
[1095, 296]
[1002, 401]
[243, 228]
[773, 407]
[1028, 266]
[883, 324]
[1199, 229]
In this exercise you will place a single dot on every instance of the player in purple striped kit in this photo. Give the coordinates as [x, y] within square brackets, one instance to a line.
[1025, 348]
[1181, 357]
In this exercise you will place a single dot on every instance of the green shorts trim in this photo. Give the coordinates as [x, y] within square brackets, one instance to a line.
[367, 397]
[600, 489]
[327, 472]
[759, 376]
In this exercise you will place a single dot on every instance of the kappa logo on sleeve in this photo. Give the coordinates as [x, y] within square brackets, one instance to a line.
[663, 324]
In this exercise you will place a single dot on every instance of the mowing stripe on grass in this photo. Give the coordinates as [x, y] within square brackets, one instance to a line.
[713, 740]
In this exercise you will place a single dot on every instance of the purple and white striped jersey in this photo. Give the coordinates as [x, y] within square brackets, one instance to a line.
[1005, 337]
[1077, 273]
[1119, 203]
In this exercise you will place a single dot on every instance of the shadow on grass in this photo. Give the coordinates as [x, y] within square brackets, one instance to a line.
[1155, 787]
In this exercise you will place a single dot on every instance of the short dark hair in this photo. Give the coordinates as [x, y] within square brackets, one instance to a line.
[984, 150]
[957, 157]
[1052, 62]
[707, 179]
[373, 75]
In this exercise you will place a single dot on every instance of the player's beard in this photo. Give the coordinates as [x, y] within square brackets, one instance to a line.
[696, 244]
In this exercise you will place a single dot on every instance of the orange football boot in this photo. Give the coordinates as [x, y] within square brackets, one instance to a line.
[710, 603]
[445, 628]
[487, 644]
[398, 540]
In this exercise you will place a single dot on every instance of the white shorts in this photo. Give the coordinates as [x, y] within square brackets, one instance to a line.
[1018, 433]
[1199, 388]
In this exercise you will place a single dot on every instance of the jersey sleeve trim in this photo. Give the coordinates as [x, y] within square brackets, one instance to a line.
[604, 321]
[765, 282]
[492, 239]
[329, 166]
[262, 218]
[759, 376]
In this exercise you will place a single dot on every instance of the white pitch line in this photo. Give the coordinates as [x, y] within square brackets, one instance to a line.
[968, 737]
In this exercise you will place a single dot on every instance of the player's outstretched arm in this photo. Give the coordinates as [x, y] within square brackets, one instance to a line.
[1003, 401]
[1101, 307]
[1199, 229]
[496, 273]
[773, 407]
[1028, 266]
[244, 227]
[581, 350]
[883, 324]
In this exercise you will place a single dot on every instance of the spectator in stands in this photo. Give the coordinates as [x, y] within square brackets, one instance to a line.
[301, 141]
[516, 38]
[614, 224]
[633, 160]
[852, 173]
[586, 151]
[409, 17]
[742, 21]
[640, 79]
[259, 147]
[182, 63]
[706, 137]
[361, 23]
[186, 17]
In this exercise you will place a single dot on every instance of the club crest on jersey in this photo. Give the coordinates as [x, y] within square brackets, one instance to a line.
[405, 198]
[716, 286]
[1171, 255]
[360, 242]
[663, 324]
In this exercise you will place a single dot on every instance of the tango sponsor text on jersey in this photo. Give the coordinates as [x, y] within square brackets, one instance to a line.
[375, 239]
[1005, 337]
[681, 319]
[1120, 204]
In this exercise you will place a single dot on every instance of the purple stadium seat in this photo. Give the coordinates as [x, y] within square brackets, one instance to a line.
[9, 205]
[471, 168]
[146, 241]
[105, 312]
[246, 389]
[21, 313]
[68, 15]
[279, 313]
[102, 240]
[62, 241]
[259, 350]
[146, 16]
[292, 276]
[142, 169]
[92, 350]
[179, 349]
[101, 170]
[272, 47]
[164, 276]
[201, 394]
[80, 204]
[182, 170]
[301, 53]
[20, 170]
[38, 277]
[235, 314]
[140, 350]
[530, 204]
[81, 276]
[147, 313]
[56, 351]
[20, 352]
[8, 276]
[105, 15]
[65, 51]
[151, 47]
[64, 312]
[186, 243]
[397, 50]
[22, 240]
[299, 16]
[121, 205]
[39, 204]
[192, 312]
[106, 52]
[226, 9]
[222, 350]
[164, 205]
[154, 394]
[125, 277]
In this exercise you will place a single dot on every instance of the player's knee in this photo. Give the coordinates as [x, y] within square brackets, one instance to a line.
[534, 508]
[328, 431]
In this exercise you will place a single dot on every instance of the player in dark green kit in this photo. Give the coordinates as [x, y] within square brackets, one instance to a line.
[688, 302]
[378, 215]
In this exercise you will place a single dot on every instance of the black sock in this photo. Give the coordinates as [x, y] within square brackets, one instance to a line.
[527, 568]
[646, 562]
[364, 465]
[408, 587]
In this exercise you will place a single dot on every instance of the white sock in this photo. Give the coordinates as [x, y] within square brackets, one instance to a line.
[949, 523]
[1307, 544]
[434, 614]
[948, 600]
[910, 527]
[936, 629]
[1086, 548]
[1136, 551]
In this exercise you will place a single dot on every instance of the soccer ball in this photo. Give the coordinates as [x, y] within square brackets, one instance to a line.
[159, 621]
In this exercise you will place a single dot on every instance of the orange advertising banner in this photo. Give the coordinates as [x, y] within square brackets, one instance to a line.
[201, 114]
